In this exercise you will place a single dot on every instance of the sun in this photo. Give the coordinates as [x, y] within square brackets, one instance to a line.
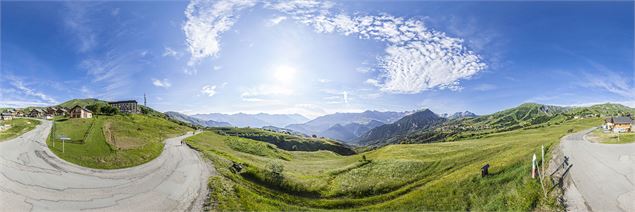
[284, 73]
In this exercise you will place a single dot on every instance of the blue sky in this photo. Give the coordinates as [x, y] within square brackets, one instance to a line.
[317, 57]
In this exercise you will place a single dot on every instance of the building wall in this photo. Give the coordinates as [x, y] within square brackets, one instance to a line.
[128, 107]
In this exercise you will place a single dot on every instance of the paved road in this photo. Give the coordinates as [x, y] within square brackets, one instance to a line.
[33, 178]
[604, 174]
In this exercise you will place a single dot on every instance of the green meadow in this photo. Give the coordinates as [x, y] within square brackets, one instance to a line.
[414, 177]
[612, 138]
[18, 126]
[112, 142]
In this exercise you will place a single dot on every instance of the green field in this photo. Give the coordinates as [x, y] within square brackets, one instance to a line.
[111, 142]
[414, 177]
[286, 141]
[18, 127]
[599, 135]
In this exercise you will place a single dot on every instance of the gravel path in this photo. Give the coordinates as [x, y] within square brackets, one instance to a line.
[33, 178]
[603, 174]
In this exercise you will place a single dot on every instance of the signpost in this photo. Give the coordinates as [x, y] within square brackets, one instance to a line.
[63, 139]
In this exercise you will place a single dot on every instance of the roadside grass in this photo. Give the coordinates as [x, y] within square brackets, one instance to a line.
[437, 176]
[131, 140]
[612, 138]
[18, 127]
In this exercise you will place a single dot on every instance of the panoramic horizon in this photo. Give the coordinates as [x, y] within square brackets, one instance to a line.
[318, 58]
[310, 105]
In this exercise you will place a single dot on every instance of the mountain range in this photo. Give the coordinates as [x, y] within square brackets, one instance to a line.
[375, 128]
[254, 120]
[346, 126]
[195, 121]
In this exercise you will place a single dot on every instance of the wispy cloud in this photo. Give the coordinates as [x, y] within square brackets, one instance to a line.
[609, 80]
[209, 90]
[206, 20]
[169, 52]
[275, 21]
[23, 90]
[161, 83]
[416, 58]
[266, 90]
[77, 21]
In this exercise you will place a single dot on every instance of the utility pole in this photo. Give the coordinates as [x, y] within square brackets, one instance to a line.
[144, 100]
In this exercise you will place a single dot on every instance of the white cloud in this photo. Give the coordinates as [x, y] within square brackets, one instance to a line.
[209, 90]
[216, 68]
[417, 58]
[161, 83]
[21, 87]
[171, 52]
[275, 21]
[206, 20]
[266, 90]
[372, 82]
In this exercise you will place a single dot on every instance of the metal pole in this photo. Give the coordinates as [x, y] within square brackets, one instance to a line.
[63, 146]
[543, 160]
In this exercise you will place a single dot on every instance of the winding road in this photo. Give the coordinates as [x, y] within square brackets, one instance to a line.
[33, 178]
[604, 174]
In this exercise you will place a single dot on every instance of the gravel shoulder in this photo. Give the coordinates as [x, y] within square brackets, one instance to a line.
[33, 178]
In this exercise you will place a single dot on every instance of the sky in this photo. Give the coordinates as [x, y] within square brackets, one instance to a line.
[318, 57]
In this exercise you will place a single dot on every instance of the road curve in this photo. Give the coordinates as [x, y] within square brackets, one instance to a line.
[33, 178]
[604, 174]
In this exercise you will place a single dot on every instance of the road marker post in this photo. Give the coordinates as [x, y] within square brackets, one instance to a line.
[533, 167]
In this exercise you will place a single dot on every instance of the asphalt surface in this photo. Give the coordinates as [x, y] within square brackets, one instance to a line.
[33, 178]
[603, 174]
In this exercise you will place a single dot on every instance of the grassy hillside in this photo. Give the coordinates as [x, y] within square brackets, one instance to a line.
[600, 136]
[82, 102]
[111, 142]
[18, 127]
[413, 177]
[286, 141]
[528, 115]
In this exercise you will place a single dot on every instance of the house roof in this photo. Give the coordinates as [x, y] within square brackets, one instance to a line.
[83, 108]
[7, 114]
[38, 110]
[622, 120]
[123, 101]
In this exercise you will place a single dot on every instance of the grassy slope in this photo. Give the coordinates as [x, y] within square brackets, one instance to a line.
[438, 176]
[286, 141]
[139, 140]
[611, 138]
[82, 102]
[18, 127]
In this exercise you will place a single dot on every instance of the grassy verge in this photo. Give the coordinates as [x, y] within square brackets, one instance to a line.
[112, 142]
[18, 126]
[599, 135]
[438, 176]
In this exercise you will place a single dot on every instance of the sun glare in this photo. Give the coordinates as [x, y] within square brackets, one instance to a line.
[284, 73]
